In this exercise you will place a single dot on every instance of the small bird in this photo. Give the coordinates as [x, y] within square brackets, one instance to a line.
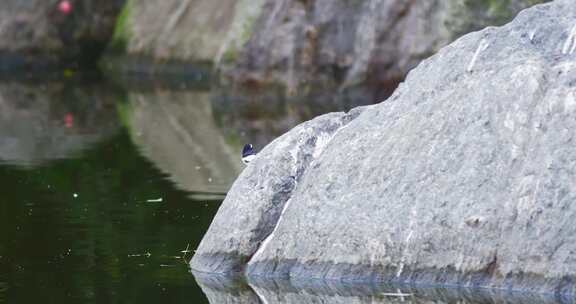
[248, 153]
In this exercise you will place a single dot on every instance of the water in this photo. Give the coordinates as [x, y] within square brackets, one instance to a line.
[92, 209]
[107, 188]
[106, 184]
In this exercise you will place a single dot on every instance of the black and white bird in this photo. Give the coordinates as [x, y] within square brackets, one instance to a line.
[248, 153]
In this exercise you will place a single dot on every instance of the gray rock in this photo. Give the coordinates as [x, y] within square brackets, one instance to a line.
[256, 200]
[34, 32]
[464, 176]
[187, 30]
[345, 43]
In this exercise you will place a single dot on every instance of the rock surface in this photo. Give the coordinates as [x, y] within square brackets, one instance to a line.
[187, 30]
[35, 32]
[465, 175]
[345, 42]
[254, 205]
[334, 43]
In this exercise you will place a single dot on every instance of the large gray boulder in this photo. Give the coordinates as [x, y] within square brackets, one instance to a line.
[465, 175]
[253, 207]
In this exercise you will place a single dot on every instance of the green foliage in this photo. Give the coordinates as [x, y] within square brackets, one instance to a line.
[123, 110]
[230, 55]
[122, 33]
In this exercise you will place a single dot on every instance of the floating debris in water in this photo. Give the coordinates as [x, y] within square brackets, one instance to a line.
[186, 251]
[75, 195]
[398, 294]
[147, 254]
[155, 200]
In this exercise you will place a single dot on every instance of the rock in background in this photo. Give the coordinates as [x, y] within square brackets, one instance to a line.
[345, 43]
[465, 175]
[186, 30]
[35, 33]
[300, 43]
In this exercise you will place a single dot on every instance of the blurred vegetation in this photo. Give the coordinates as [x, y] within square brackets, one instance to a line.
[121, 35]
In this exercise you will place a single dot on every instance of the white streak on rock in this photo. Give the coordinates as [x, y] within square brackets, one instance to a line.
[407, 241]
[260, 296]
[271, 236]
[481, 47]
[570, 102]
[531, 35]
[321, 144]
[570, 44]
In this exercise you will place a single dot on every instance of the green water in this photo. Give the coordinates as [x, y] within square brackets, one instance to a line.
[80, 230]
[105, 184]
[86, 215]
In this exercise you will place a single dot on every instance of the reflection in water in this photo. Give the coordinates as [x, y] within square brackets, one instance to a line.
[2, 291]
[41, 122]
[259, 115]
[79, 219]
[82, 230]
[226, 289]
[177, 131]
[220, 290]
[194, 133]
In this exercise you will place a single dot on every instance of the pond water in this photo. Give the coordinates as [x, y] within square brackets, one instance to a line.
[89, 211]
[107, 188]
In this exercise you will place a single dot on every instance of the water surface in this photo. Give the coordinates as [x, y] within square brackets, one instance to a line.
[89, 210]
